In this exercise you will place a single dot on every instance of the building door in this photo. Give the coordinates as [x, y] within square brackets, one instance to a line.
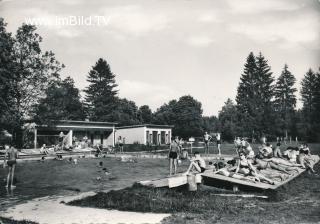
[155, 137]
[163, 137]
[147, 138]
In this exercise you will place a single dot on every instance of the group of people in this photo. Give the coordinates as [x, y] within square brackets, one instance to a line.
[207, 138]
[272, 157]
[176, 152]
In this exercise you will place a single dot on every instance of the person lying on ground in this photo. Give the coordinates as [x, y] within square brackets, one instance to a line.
[284, 162]
[262, 164]
[197, 164]
[245, 167]
[305, 158]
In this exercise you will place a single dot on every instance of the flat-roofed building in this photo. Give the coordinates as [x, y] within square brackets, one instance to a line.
[73, 132]
[147, 134]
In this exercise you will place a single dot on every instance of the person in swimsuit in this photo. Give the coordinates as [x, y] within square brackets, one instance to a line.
[207, 139]
[10, 159]
[245, 167]
[305, 158]
[198, 164]
[277, 151]
[120, 144]
[218, 137]
[173, 155]
[264, 164]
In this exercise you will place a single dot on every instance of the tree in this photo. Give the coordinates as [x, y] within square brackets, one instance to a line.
[285, 100]
[145, 114]
[265, 113]
[62, 102]
[101, 93]
[185, 114]
[210, 124]
[246, 97]
[25, 74]
[254, 97]
[228, 120]
[34, 69]
[125, 112]
[310, 86]
[165, 114]
[8, 119]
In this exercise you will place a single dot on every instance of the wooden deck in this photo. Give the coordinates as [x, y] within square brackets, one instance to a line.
[211, 178]
[170, 181]
[218, 180]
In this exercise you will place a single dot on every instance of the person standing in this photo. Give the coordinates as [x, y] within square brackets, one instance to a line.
[207, 139]
[173, 155]
[120, 143]
[10, 159]
[218, 137]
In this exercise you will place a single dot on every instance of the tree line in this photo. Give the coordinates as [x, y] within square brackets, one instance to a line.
[31, 89]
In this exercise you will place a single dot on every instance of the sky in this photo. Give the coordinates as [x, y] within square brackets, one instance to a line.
[160, 50]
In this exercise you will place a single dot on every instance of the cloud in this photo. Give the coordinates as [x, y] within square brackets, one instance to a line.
[259, 6]
[200, 40]
[290, 32]
[147, 93]
[209, 17]
[134, 20]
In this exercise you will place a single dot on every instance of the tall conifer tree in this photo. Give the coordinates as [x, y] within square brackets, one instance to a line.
[101, 95]
[285, 99]
[246, 97]
[310, 87]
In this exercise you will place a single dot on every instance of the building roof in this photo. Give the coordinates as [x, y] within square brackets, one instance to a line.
[147, 126]
[78, 124]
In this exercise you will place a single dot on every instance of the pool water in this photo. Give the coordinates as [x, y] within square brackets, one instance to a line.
[52, 177]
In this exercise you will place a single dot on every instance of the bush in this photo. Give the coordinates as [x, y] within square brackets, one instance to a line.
[136, 147]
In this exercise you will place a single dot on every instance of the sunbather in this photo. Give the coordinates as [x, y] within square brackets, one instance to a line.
[277, 151]
[249, 152]
[245, 167]
[197, 164]
[44, 149]
[262, 164]
[291, 154]
[266, 150]
[305, 158]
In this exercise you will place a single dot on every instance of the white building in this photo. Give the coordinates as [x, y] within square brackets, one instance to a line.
[145, 134]
[74, 131]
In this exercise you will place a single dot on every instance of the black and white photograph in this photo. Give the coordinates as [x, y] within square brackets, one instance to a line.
[159, 111]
